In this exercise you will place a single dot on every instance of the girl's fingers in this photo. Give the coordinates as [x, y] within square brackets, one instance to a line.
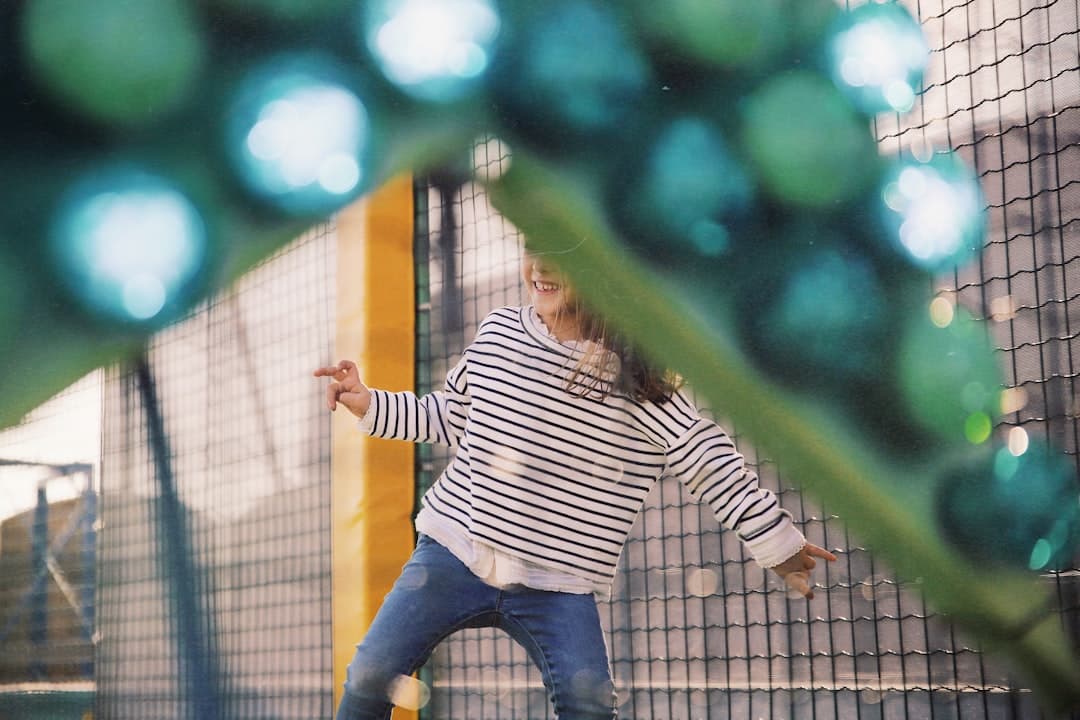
[347, 380]
[348, 371]
[340, 371]
[332, 392]
[330, 372]
[799, 582]
[819, 552]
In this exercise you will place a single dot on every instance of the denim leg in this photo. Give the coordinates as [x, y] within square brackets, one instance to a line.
[562, 634]
[434, 596]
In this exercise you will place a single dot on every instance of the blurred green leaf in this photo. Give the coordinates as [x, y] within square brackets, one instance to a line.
[887, 502]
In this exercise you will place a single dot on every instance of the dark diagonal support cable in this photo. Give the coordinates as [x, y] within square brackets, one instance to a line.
[198, 665]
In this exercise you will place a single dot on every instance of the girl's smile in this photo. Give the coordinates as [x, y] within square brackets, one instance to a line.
[545, 288]
[551, 297]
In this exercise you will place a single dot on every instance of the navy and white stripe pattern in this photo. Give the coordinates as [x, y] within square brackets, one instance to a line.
[558, 479]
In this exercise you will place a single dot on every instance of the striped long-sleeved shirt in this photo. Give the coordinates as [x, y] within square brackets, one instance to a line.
[556, 478]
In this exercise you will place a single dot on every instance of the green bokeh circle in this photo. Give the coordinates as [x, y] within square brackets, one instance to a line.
[1021, 511]
[949, 376]
[115, 61]
[808, 144]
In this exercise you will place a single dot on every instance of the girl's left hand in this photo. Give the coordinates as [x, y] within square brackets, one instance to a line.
[795, 571]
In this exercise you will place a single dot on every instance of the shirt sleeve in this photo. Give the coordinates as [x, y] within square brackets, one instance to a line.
[438, 417]
[706, 461]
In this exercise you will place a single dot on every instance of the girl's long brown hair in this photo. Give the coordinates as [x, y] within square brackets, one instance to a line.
[632, 375]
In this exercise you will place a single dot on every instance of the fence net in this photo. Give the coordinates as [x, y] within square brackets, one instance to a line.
[695, 629]
[214, 572]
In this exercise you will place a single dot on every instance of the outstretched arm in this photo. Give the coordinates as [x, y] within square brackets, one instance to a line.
[438, 417]
[713, 470]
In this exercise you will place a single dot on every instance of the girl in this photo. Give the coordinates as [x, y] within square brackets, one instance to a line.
[559, 431]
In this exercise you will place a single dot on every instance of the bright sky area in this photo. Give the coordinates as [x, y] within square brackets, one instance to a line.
[64, 430]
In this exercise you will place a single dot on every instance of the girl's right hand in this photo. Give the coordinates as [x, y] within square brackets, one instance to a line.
[347, 388]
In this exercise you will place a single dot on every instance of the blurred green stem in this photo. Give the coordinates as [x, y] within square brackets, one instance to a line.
[884, 503]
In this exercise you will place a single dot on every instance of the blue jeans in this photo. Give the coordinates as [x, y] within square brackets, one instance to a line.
[437, 595]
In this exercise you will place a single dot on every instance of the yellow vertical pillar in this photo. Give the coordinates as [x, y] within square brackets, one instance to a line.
[372, 480]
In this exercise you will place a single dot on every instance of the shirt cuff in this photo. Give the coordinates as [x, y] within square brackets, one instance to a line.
[367, 423]
[776, 546]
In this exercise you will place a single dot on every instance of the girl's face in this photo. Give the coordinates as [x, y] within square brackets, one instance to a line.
[550, 293]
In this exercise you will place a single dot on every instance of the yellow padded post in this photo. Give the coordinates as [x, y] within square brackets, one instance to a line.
[372, 480]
